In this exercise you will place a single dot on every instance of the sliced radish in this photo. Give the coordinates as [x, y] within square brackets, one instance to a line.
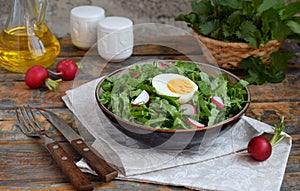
[135, 74]
[194, 123]
[164, 64]
[218, 102]
[188, 109]
[142, 98]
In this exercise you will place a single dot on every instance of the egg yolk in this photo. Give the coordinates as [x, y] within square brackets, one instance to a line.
[180, 86]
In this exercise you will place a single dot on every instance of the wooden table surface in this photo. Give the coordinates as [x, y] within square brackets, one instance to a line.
[25, 164]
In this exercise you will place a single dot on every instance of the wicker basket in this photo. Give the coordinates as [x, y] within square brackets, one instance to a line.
[229, 54]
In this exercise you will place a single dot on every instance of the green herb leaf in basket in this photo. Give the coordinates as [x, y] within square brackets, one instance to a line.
[259, 73]
[246, 34]
[252, 21]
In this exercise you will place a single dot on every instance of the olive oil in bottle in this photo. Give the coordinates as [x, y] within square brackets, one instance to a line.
[26, 40]
[20, 49]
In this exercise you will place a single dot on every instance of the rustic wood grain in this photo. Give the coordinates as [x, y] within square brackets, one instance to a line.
[26, 164]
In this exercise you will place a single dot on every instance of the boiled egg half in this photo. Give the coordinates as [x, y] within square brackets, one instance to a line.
[174, 85]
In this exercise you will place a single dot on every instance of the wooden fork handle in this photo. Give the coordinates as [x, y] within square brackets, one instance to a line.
[68, 166]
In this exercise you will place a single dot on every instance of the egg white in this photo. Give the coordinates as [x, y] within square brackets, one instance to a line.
[160, 82]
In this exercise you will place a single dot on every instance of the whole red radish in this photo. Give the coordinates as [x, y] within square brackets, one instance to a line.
[259, 148]
[37, 76]
[67, 69]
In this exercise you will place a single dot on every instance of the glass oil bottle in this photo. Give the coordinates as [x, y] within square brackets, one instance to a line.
[26, 40]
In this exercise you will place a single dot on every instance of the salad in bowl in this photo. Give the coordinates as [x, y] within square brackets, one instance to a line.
[153, 101]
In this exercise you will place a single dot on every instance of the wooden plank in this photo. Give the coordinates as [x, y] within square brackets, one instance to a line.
[271, 112]
[288, 90]
[99, 186]
[10, 132]
[146, 46]
[291, 181]
[6, 76]
[10, 98]
[33, 160]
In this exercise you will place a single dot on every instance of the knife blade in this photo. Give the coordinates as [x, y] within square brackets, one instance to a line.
[102, 168]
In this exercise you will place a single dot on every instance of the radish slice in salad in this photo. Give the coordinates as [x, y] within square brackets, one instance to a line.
[194, 123]
[142, 98]
[218, 102]
[165, 64]
[135, 74]
[188, 109]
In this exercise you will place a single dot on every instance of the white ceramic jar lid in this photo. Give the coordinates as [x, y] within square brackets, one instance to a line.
[87, 12]
[114, 23]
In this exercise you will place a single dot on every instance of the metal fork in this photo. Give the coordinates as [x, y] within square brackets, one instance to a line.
[31, 126]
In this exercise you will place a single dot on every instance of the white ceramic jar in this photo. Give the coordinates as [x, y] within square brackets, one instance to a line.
[115, 38]
[83, 25]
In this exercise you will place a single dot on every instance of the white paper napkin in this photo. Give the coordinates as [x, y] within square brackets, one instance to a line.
[217, 168]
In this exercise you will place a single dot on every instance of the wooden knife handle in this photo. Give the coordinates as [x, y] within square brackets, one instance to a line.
[102, 168]
[68, 166]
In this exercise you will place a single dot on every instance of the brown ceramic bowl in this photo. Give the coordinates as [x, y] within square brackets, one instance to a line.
[171, 139]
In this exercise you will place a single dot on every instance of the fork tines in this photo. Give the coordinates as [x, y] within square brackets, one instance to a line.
[28, 122]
